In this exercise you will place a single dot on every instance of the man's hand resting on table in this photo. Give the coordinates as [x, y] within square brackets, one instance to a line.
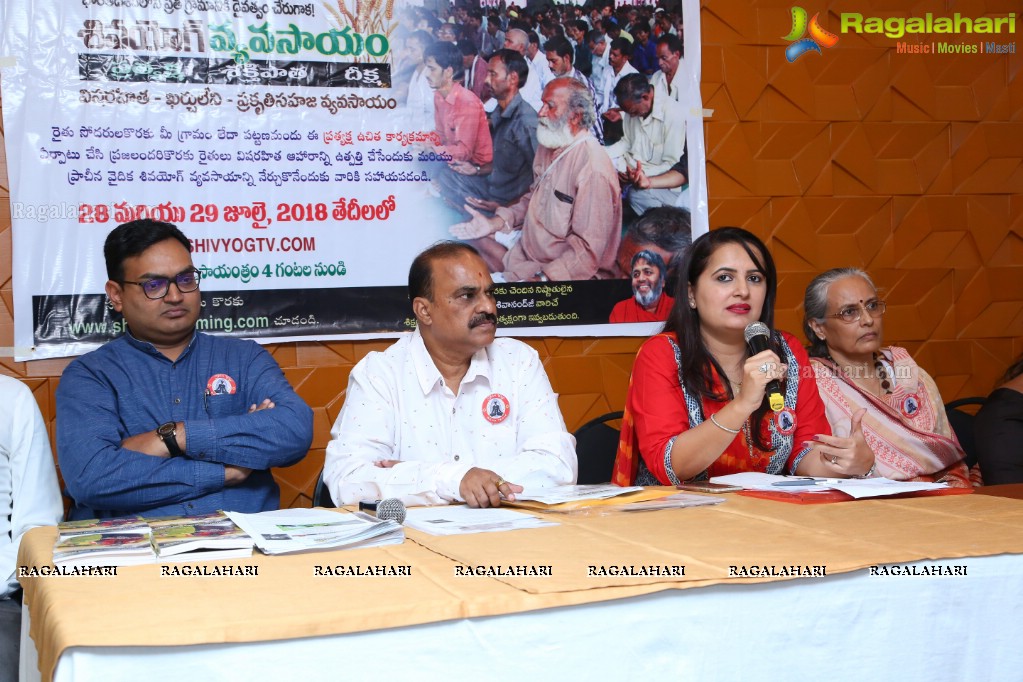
[483, 488]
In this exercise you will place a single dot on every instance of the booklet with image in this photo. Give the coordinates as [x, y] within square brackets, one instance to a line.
[199, 538]
[103, 542]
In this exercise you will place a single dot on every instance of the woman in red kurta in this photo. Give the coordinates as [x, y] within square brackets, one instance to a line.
[696, 405]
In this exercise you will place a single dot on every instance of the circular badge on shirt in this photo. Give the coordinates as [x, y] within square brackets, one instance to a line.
[496, 408]
[221, 384]
[785, 421]
[911, 405]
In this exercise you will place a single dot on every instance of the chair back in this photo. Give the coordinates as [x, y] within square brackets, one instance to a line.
[962, 423]
[321, 496]
[596, 445]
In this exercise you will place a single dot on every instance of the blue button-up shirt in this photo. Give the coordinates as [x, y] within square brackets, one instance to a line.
[128, 387]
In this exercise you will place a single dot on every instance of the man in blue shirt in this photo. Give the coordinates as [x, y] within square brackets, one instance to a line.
[166, 420]
[513, 129]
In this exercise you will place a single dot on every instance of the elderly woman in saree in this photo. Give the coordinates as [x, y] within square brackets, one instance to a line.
[905, 423]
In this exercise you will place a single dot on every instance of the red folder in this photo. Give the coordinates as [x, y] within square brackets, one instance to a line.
[826, 496]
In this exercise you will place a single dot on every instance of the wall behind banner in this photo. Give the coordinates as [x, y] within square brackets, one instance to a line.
[908, 165]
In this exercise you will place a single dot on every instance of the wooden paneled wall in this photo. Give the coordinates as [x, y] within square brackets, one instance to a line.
[910, 166]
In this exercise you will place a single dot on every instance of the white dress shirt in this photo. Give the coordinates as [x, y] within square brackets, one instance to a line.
[29, 494]
[657, 140]
[678, 84]
[543, 68]
[420, 102]
[609, 100]
[505, 418]
[599, 75]
[532, 91]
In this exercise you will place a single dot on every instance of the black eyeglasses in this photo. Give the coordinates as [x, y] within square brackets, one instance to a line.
[854, 313]
[158, 287]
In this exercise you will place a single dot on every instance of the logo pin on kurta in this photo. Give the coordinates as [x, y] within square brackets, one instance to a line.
[496, 408]
[221, 384]
[911, 405]
[785, 421]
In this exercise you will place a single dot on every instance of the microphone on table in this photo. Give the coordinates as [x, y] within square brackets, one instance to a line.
[391, 509]
[758, 339]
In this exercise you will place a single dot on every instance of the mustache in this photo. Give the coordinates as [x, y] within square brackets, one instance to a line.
[477, 320]
[553, 123]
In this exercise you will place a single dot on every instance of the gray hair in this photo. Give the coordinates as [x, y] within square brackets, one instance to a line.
[579, 100]
[815, 304]
[519, 37]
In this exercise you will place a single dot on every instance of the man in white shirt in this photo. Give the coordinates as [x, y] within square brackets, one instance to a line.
[420, 104]
[621, 50]
[671, 78]
[653, 141]
[531, 91]
[539, 60]
[29, 497]
[600, 66]
[449, 413]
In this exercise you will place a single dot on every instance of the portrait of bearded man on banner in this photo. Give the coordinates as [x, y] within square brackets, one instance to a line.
[649, 303]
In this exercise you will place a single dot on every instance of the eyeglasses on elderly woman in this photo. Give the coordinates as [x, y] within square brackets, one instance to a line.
[854, 313]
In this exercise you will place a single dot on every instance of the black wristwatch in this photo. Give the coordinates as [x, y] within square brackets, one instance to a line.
[169, 434]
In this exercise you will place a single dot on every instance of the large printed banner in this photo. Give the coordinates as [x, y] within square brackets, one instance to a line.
[276, 135]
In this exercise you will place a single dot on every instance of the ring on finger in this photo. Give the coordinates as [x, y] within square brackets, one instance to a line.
[834, 460]
[500, 482]
[764, 368]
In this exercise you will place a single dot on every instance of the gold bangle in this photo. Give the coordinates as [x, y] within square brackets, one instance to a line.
[723, 427]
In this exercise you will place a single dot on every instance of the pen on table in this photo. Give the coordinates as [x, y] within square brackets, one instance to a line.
[796, 481]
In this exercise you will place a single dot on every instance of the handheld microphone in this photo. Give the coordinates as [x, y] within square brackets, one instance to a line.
[758, 339]
[390, 509]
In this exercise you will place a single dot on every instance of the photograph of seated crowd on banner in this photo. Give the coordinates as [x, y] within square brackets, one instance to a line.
[564, 134]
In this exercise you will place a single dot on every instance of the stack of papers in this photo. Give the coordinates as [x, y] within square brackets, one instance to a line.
[574, 493]
[459, 520]
[671, 502]
[571, 499]
[857, 488]
[303, 530]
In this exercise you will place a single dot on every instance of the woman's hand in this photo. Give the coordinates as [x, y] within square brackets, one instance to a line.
[756, 372]
[846, 457]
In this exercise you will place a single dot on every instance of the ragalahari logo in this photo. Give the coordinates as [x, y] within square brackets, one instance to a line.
[819, 37]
